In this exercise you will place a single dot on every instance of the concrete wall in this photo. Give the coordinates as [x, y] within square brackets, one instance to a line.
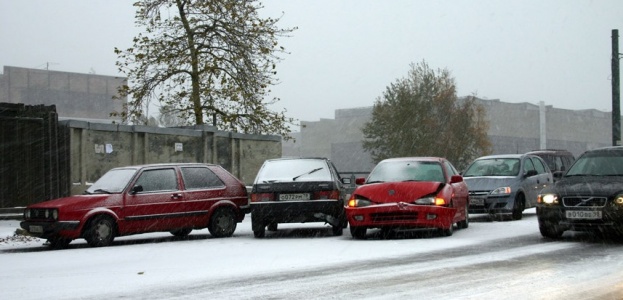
[95, 148]
[513, 128]
[75, 95]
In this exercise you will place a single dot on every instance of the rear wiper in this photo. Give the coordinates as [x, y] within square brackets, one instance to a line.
[312, 171]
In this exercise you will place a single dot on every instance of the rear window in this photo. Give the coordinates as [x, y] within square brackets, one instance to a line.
[294, 170]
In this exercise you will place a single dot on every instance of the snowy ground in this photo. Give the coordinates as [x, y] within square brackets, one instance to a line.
[158, 266]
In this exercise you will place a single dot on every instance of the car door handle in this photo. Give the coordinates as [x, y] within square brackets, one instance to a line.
[176, 196]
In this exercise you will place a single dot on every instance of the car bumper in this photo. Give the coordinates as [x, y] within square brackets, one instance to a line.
[493, 205]
[297, 211]
[41, 229]
[610, 218]
[398, 215]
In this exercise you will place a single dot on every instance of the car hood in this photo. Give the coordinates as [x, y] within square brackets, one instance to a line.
[488, 183]
[587, 185]
[78, 200]
[390, 192]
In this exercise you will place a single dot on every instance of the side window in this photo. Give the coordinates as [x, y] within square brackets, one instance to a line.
[200, 178]
[559, 164]
[158, 180]
[538, 165]
[527, 165]
[449, 169]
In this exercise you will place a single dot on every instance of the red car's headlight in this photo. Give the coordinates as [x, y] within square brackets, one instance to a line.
[431, 201]
[359, 202]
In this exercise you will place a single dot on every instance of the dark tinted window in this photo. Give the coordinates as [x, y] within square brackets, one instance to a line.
[158, 180]
[200, 178]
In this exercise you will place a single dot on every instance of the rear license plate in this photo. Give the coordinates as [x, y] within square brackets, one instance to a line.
[583, 214]
[289, 197]
[36, 229]
[477, 201]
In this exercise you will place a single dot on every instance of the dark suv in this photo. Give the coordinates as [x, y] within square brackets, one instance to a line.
[558, 161]
[298, 190]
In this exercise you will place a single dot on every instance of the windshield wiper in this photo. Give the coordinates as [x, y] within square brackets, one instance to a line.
[102, 191]
[312, 171]
[375, 181]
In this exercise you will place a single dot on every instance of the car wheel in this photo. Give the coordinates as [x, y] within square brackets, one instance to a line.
[222, 223]
[550, 229]
[260, 233]
[338, 230]
[181, 232]
[465, 223]
[100, 231]
[358, 233]
[58, 243]
[447, 232]
[518, 207]
[272, 227]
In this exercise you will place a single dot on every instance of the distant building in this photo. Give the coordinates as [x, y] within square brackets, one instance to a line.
[513, 128]
[76, 96]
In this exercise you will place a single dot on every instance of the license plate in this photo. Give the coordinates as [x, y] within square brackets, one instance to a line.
[289, 197]
[477, 201]
[36, 229]
[583, 214]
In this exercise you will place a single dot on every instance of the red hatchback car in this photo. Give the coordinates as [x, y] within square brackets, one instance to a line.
[409, 193]
[137, 199]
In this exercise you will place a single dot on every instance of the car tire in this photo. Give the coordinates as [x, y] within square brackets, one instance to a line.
[222, 223]
[338, 230]
[518, 207]
[447, 232]
[272, 226]
[358, 233]
[260, 233]
[465, 223]
[100, 231]
[181, 232]
[58, 243]
[550, 230]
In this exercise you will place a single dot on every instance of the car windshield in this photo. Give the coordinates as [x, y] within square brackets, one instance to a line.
[600, 163]
[114, 181]
[391, 171]
[493, 167]
[293, 170]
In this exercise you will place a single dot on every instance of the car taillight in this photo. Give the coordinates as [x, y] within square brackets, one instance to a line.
[334, 194]
[261, 197]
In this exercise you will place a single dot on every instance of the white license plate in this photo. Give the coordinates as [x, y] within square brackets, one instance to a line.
[583, 214]
[289, 197]
[477, 201]
[36, 229]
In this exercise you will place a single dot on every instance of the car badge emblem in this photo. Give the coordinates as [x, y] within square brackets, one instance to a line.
[391, 192]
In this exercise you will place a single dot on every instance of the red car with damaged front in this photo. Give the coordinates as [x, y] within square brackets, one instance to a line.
[409, 193]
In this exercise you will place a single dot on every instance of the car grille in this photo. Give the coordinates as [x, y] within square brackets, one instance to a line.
[39, 213]
[586, 201]
[388, 217]
[479, 194]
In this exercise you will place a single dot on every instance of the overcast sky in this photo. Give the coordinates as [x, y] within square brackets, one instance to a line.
[345, 53]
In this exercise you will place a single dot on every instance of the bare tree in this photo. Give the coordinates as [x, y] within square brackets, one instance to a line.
[420, 115]
[208, 59]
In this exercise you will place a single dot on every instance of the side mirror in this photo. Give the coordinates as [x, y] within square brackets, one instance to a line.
[360, 181]
[456, 178]
[136, 189]
[557, 175]
[531, 173]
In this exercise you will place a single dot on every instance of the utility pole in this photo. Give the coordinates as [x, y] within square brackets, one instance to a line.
[616, 92]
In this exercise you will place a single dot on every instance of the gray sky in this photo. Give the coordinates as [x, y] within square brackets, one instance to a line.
[345, 53]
